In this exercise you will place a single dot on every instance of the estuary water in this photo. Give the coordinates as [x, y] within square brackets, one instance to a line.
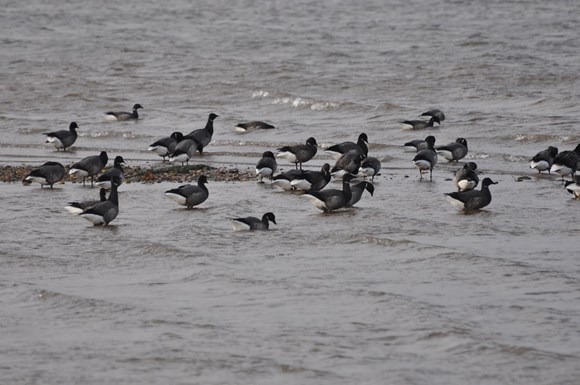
[401, 289]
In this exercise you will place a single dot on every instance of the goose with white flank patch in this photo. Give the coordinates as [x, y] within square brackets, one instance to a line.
[253, 223]
[331, 199]
[185, 150]
[47, 174]
[472, 199]
[348, 163]
[312, 180]
[453, 152]
[89, 166]
[361, 146]
[416, 145]
[426, 159]
[370, 167]
[80, 206]
[436, 113]
[419, 124]
[544, 159]
[357, 191]
[63, 138]
[189, 195]
[573, 187]
[116, 172]
[284, 180]
[266, 166]
[299, 153]
[166, 146]
[566, 162]
[103, 213]
[252, 126]
[203, 135]
[123, 115]
[466, 178]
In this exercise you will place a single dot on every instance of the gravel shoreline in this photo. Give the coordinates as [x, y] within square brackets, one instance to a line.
[148, 174]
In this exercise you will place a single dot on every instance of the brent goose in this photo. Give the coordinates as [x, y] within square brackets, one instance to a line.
[348, 163]
[361, 146]
[299, 153]
[203, 135]
[453, 151]
[105, 179]
[370, 166]
[466, 178]
[426, 159]
[89, 166]
[189, 195]
[472, 199]
[419, 124]
[357, 191]
[63, 138]
[574, 186]
[416, 145]
[566, 162]
[253, 223]
[253, 125]
[103, 213]
[312, 180]
[435, 112]
[166, 146]
[80, 206]
[266, 166]
[284, 180]
[544, 159]
[331, 199]
[47, 174]
[122, 115]
[185, 150]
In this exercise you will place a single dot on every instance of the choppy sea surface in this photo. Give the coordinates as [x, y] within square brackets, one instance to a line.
[402, 289]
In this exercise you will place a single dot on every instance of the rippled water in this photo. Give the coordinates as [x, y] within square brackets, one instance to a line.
[403, 289]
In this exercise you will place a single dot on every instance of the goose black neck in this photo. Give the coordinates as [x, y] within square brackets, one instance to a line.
[346, 190]
[209, 125]
[113, 197]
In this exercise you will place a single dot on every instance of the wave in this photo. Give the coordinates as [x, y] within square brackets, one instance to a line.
[305, 102]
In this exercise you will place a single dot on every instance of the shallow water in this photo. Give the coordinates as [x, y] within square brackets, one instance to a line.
[402, 288]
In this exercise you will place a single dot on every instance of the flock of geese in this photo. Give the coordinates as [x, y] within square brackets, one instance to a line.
[351, 160]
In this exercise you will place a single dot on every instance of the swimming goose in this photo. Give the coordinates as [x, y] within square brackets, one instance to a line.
[253, 223]
[472, 199]
[435, 112]
[203, 135]
[348, 163]
[453, 151]
[299, 153]
[573, 187]
[331, 199]
[312, 180]
[122, 115]
[544, 159]
[357, 191]
[566, 162]
[266, 166]
[419, 124]
[166, 146]
[47, 174]
[63, 138]
[253, 125]
[361, 146]
[103, 213]
[89, 166]
[416, 145]
[185, 150]
[426, 159]
[104, 180]
[189, 195]
[466, 178]
[80, 206]
[284, 180]
[370, 166]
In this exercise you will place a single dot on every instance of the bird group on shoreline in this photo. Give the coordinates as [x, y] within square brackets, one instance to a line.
[352, 161]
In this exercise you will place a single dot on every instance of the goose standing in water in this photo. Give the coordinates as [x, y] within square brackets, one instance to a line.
[63, 138]
[312, 180]
[166, 146]
[80, 206]
[436, 113]
[573, 187]
[419, 124]
[47, 174]
[361, 146]
[453, 152]
[331, 199]
[357, 191]
[348, 163]
[104, 212]
[266, 166]
[203, 135]
[299, 153]
[472, 199]
[370, 167]
[566, 162]
[544, 159]
[185, 150]
[426, 159]
[116, 171]
[123, 115]
[189, 195]
[253, 223]
[466, 178]
[89, 166]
